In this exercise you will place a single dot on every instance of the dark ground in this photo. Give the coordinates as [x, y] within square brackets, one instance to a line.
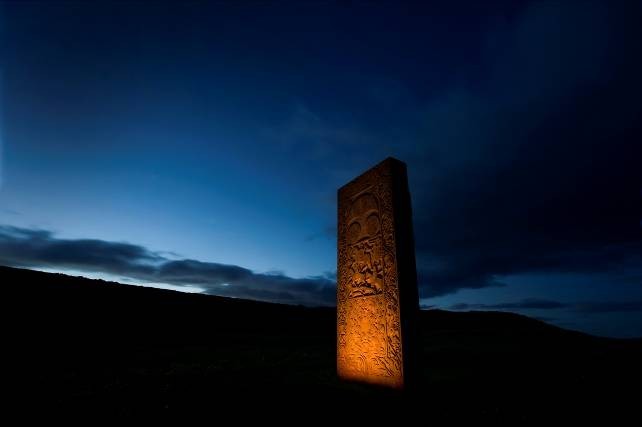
[88, 346]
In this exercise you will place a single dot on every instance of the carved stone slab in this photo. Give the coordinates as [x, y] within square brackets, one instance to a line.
[377, 299]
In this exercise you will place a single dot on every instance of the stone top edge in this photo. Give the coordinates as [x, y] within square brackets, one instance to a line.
[388, 161]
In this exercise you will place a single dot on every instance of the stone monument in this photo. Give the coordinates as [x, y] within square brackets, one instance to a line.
[377, 297]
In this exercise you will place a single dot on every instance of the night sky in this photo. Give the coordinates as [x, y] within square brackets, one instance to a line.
[199, 147]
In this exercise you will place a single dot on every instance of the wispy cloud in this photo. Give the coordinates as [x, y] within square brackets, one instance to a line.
[11, 212]
[329, 232]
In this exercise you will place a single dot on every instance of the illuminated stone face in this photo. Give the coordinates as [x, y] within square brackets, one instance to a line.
[376, 277]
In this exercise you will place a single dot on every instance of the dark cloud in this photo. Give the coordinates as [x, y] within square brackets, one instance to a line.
[528, 303]
[610, 307]
[544, 304]
[41, 248]
[535, 165]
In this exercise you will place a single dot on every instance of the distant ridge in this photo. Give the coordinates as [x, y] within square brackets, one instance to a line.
[49, 285]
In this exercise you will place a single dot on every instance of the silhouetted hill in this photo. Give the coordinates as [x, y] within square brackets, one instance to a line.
[91, 345]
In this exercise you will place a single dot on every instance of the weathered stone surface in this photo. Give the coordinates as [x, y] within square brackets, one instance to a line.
[377, 299]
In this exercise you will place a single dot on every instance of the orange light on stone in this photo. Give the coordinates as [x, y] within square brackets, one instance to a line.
[377, 299]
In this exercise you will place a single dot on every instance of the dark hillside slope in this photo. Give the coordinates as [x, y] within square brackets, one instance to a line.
[92, 345]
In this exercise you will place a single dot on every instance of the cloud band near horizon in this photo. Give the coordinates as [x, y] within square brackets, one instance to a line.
[21, 247]
[35, 248]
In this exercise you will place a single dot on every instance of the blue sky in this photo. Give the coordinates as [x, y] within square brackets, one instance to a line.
[199, 146]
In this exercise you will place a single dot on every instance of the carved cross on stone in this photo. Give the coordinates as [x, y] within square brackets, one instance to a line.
[377, 299]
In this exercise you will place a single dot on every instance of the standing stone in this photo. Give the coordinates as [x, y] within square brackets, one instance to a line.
[377, 299]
